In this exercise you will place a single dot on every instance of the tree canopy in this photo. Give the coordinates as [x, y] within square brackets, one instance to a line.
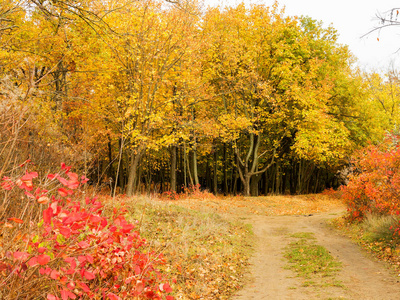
[155, 95]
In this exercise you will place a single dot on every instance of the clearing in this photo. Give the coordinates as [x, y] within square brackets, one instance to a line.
[276, 221]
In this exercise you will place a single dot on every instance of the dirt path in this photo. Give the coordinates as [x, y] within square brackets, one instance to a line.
[361, 276]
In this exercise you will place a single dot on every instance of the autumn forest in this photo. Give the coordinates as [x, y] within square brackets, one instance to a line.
[162, 96]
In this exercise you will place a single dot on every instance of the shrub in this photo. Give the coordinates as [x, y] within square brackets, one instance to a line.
[376, 186]
[75, 251]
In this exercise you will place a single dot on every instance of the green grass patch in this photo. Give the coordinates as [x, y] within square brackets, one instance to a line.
[312, 262]
[205, 253]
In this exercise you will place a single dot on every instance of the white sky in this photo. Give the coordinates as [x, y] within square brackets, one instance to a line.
[352, 19]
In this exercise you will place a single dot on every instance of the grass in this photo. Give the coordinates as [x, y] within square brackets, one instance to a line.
[266, 205]
[374, 234]
[206, 255]
[312, 262]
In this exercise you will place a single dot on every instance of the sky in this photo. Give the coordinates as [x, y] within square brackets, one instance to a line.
[352, 19]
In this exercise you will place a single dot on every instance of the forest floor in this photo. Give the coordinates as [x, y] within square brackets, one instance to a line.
[277, 223]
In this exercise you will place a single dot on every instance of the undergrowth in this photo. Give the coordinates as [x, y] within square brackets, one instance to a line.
[206, 255]
[312, 262]
[375, 233]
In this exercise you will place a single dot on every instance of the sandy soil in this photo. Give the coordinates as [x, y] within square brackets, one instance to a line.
[362, 277]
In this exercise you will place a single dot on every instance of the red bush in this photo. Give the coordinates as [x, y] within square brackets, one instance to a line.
[78, 252]
[375, 188]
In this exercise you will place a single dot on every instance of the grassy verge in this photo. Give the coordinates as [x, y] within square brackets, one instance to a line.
[206, 254]
[312, 262]
[375, 235]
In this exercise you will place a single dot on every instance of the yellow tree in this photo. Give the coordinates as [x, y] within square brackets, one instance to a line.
[153, 38]
[278, 73]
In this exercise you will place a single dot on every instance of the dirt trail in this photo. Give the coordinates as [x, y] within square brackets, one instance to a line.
[361, 276]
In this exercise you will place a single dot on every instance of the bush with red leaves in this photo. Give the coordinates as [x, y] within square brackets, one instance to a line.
[76, 252]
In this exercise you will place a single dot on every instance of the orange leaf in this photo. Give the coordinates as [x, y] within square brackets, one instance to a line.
[16, 220]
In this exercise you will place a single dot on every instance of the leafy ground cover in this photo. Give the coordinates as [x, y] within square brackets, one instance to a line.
[376, 235]
[206, 255]
[312, 262]
[265, 205]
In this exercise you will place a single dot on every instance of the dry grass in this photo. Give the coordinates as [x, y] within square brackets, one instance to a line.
[206, 254]
[268, 205]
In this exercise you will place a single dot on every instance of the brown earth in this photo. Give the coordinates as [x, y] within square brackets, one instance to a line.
[361, 276]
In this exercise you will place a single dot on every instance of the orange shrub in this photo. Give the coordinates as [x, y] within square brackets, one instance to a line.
[375, 187]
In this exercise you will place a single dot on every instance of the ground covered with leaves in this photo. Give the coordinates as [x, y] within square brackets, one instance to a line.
[206, 255]
[376, 235]
[265, 205]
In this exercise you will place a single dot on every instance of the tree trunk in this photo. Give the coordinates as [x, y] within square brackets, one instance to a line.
[195, 172]
[254, 191]
[173, 168]
[121, 179]
[215, 178]
[225, 172]
[132, 177]
[246, 185]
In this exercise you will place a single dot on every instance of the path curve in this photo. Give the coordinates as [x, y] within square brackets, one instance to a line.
[361, 275]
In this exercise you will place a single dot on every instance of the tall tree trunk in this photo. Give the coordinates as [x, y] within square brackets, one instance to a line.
[121, 179]
[215, 177]
[225, 171]
[110, 169]
[254, 191]
[195, 170]
[187, 158]
[133, 168]
[173, 168]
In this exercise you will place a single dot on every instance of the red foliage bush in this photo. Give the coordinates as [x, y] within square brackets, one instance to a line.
[375, 188]
[76, 251]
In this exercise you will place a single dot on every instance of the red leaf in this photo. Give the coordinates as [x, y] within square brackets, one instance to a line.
[46, 271]
[165, 288]
[16, 220]
[137, 270]
[65, 167]
[32, 262]
[139, 286]
[54, 274]
[89, 258]
[169, 298]
[43, 200]
[47, 214]
[20, 255]
[72, 262]
[29, 176]
[84, 286]
[113, 296]
[88, 275]
[52, 176]
[73, 176]
[51, 297]
[64, 192]
[95, 219]
[7, 184]
[65, 294]
[81, 259]
[42, 249]
[65, 231]
[72, 184]
[43, 259]
[83, 244]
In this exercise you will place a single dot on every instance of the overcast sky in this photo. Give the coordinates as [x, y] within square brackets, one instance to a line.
[352, 19]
